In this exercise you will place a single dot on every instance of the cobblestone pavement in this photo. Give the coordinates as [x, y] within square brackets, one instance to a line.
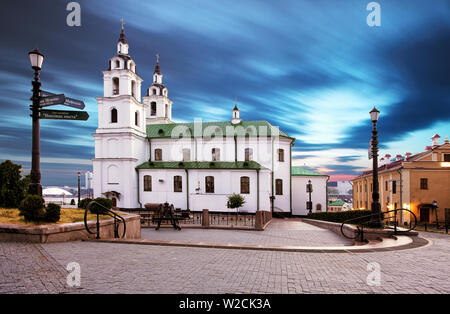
[125, 268]
[280, 232]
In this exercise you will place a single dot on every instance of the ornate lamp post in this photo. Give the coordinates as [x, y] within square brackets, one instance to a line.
[79, 190]
[376, 221]
[35, 187]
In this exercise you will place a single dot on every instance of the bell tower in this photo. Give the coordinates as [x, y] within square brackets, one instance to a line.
[158, 104]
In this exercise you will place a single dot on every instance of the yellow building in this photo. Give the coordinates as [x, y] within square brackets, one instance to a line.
[413, 182]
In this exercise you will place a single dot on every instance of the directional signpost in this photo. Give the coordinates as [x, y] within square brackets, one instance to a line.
[52, 100]
[70, 102]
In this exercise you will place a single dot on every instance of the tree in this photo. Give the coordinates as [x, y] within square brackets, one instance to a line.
[13, 186]
[236, 201]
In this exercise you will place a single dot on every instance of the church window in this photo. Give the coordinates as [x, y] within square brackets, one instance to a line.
[158, 154]
[154, 91]
[114, 115]
[281, 155]
[167, 111]
[209, 184]
[318, 207]
[117, 64]
[186, 154]
[279, 187]
[136, 118]
[248, 154]
[215, 154]
[115, 86]
[245, 185]
[133, 89]
[177, 184]
[147, 183]
[153, 109]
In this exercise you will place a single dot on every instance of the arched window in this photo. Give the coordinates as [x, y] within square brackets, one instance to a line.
[281, 155]
[177, 184]
[153, 109]
[158, 154]
[136, 118]
[114, 115]
[245, 185]
[279, 187]
[209, 184]
[113, 174]
[115, 86]
[117, 64]
[248, 154]
[215, 152]
[154, 91]
[147, 183]
[319, 207]
[167, 111]
[133, 89]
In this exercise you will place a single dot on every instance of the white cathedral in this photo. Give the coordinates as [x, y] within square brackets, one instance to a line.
[142, 156]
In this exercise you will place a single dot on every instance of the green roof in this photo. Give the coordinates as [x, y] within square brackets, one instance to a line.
[252, 165]
[337, 203]
[252, 128]
[299, 171]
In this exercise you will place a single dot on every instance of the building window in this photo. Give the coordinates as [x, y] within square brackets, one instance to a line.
[177, 184]
[133, 89]
[136, 118]
[154, 91]
[386, 183]
[371, 187]
[394, 187]
[114, 115]
[117, 64]
[215, 152]
[186, 154]
[115, 86]
[153, 109]
[158, 154]
[147, 183]
[166, 114]
[447, 157]
[423, 183]
[281, 155]
[318, 207]
[209, 184]
[248, 154]
[245, 185]
[279, 187]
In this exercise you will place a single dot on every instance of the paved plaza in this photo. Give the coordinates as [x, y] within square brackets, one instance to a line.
[130, 268]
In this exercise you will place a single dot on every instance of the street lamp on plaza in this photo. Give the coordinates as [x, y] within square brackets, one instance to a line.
[376, 221]
[309, 190]
[35, 187]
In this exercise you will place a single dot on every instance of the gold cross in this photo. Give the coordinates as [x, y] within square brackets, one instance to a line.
[121, 20]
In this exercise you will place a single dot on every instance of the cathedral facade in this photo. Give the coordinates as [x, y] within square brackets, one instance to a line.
[142, 156]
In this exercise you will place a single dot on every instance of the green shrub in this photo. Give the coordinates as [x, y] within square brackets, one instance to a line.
[341, 216]
[84, 203]
[235, 201]
[52, 213]
[102, 201]
[32, 208]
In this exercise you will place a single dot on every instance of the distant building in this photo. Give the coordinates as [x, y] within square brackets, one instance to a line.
[411, 181]
[300, 178]
[88, 180]
[338, 206]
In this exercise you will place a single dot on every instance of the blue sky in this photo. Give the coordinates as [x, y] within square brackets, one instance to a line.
[313, 68]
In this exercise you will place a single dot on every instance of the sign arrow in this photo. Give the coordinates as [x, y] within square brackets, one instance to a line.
[70, 102]
[52, 100]
[63, 115]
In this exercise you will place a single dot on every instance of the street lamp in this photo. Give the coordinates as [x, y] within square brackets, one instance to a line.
[309, 190]
[79, 196]
[35, 187]
[435, 211]
[376, 221]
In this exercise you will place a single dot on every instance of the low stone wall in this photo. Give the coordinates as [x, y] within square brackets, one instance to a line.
[69, 232]
[352, 231]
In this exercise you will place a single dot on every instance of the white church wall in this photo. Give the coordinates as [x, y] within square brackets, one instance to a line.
[300, 196]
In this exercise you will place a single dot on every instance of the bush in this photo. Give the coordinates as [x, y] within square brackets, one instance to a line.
[341, 216]
[102, 201]
[72, 202]
[52, 213]
[84, 203]
[32, 208]
[235, 201]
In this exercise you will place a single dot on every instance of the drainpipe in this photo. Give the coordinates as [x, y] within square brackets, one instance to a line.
[326, 191]
[272, 197]
[401, 198]
[138, 188]
[187, 189]
[235, 148]
[150, 148]
[257, 189]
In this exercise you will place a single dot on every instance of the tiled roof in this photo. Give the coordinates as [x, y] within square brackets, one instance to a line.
[299, 171]
[337, 203]
[250, 165]
[252, 128]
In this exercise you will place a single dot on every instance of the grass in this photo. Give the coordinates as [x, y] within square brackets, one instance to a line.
[68, 215]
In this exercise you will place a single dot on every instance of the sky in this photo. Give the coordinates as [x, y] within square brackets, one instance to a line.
[313, 68]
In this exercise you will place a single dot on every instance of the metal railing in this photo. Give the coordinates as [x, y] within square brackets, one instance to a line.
[366, 222]
[109, 212]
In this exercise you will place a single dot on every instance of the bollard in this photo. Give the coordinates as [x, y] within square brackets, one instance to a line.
[426, 229]
[446, 228]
